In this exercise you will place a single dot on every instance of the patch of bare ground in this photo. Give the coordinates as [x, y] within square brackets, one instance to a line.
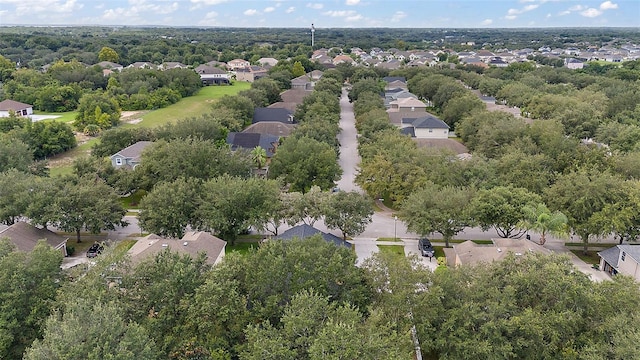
[68, 157]
[131, 117]
[448, 144]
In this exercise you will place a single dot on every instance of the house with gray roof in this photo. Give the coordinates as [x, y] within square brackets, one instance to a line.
[621, 259]
[20, 109]
[304, 231]
[249, 140]
[272, 114]
[26, 236]
[129, 157]
[427, 127]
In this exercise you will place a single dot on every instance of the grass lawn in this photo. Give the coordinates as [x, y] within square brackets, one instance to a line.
[392, 249]
[66, 117]
[132, 201]
[125, 245]
[591, 257]
[191, 106]
[439, 252]
[389, 239]
[242, 248]
[61, 164]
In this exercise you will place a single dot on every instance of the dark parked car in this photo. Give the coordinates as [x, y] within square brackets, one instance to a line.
[94, 250]
[425, 247]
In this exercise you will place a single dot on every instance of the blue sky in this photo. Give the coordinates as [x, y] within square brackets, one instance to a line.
[327, 13]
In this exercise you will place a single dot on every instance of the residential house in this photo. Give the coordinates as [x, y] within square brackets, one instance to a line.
[427, 127]
[620, 259]
[192, 243]
[236, 64]
[343, 59]
[110, 65]
[304, 82]
[294, 95]
[304, 231]
[272, 114]
[249, 140]
[129, 157]
[470, 253]
[573, 64]
[212, 75]
[498, 62]
[141, 65]
[26, 236]
[171, 65]
[484, 55]
[409, 104]
[20, 109]
[396, 84]
[250, 73]
[270, 127]
[267, 61]
[390, 79]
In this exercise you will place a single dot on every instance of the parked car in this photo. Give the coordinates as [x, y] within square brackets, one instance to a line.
[425, 247]
[94, 250]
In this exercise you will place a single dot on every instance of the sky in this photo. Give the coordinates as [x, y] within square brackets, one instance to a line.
[325, 14]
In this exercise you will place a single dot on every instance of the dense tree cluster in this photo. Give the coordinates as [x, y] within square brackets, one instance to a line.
[307, 300]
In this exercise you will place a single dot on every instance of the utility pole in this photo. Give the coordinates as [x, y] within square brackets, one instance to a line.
[313, 33]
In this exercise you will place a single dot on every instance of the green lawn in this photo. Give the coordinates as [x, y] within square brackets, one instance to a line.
[389, 239]
[191, 106]
[392, 249]
[66, 117]
[242, 248]
[591, 257]
[133, 201]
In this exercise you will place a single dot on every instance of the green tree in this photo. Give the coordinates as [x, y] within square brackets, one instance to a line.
[348, 211]
[15, 194]
[305, 162]
[170, 207]
[308, 207]
[437, 209]
[86, 203]
[502, 208]
[7, 67]
[259, 156]
[48, 138]
[298, 69]
[108, 54]
[14, 154]
[541, 220]
[231, 205]
[28, 287]
[582, 197]
[92, 330]
[97, 104]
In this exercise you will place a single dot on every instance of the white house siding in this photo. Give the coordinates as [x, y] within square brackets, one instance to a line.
[431, 133]
[629, 266]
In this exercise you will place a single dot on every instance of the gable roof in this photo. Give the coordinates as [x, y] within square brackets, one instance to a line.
[7, 105]
[470, 253]
[409, 102]
[390, 79]
[291, 106]
[25, 236]
[612, 255]
[249, 140]
[270, 127]
[294, 95]
[426, 122]
[109, 65]
[192, 244]
[133, 151]
[304, 231]
[272, 114]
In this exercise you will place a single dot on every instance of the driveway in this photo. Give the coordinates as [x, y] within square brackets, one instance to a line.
[349, 157]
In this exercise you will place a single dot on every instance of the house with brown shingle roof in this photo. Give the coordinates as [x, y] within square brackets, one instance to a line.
[26, 236]
[192, 243]
[129, 157]
[470, 253]
[20, 109]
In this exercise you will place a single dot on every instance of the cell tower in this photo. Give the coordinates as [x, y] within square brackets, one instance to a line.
[313, 38]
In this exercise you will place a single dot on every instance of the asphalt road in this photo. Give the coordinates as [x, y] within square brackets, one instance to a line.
[349, 158]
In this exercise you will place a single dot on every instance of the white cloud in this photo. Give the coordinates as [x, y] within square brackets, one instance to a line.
[354, 18]
[208, 2]
[486, 22]
[209, 19]
[608, 5]
[316, 6]
[269, 9]
[399, 15]
[290, 9]
[510, 17]
[250, 12]
[563, 13]
[591, 13]
[24, 7]
[339, 13]
[352, 2]
[577, 8]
